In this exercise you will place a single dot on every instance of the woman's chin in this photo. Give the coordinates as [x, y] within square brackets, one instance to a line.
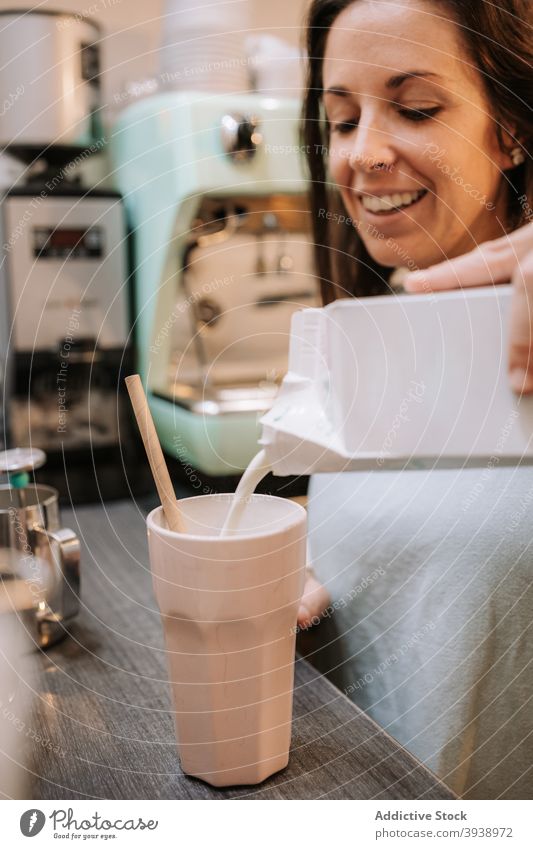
[401, 257]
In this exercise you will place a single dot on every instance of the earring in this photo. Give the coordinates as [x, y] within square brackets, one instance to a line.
[517, 156]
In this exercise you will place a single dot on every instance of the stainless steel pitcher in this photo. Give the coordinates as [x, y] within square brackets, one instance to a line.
[35, 548]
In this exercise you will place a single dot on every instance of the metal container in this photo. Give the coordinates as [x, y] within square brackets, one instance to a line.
[35, 548]
[49, 79]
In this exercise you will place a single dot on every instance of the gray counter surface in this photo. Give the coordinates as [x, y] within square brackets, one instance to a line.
[104, 712]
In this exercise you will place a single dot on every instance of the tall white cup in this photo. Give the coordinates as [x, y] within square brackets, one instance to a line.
[229, 608]
[15, 691]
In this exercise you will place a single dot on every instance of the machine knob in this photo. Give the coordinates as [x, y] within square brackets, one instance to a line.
[240, 136]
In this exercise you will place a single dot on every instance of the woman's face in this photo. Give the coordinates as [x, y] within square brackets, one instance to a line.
[413, 147]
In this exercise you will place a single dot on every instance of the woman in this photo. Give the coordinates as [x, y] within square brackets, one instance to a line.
[418, 123]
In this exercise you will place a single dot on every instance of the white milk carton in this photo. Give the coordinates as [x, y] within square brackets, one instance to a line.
[399, 381]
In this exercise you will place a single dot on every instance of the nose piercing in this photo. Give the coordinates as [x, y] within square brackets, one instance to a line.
[517, 156]
[358, 159]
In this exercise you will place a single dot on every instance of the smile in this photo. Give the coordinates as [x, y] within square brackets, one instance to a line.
[387, 204]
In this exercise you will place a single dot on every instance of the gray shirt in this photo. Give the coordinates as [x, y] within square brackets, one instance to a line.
[429, 630]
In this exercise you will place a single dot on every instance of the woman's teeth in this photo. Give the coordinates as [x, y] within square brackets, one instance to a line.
[386, 203]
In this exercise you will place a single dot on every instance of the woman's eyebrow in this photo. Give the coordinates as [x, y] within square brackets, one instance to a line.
[339, 91]
[397, 81]
[393, 82]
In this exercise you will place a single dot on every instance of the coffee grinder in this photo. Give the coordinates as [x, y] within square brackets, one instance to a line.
[65, 337]
[64, 286]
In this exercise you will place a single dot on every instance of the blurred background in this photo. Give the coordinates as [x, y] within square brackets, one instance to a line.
[133, 31]
[154, 218]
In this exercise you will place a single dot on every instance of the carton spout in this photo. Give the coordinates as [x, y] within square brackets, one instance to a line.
[297, 434]
[307, 351]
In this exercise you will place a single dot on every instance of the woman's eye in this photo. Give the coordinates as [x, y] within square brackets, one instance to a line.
[419, 114]
[344, 127]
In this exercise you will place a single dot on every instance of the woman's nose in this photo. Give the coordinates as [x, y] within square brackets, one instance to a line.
[371, 148]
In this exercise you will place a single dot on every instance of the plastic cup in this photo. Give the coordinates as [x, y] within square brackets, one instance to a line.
[229, 608]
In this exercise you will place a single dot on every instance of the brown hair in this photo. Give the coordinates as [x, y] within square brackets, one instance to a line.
[498, 39]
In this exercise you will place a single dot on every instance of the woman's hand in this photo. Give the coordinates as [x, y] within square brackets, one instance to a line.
[508, 258]
[314, 601]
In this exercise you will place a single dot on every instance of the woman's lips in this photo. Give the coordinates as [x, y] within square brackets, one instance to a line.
[390, 205]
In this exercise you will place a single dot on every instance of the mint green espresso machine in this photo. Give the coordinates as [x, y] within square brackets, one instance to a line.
[216, 197]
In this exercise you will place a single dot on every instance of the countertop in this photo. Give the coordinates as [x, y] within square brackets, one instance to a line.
[103, 712]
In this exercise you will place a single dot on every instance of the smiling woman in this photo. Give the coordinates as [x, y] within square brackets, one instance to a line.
[419, 113]
[419, 127]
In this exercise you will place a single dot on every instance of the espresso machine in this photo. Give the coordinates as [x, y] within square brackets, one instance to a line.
[214, 188]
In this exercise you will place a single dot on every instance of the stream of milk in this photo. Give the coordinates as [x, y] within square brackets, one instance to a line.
[256, 471]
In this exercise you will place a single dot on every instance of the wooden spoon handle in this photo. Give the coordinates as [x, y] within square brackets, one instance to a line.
[154, 453]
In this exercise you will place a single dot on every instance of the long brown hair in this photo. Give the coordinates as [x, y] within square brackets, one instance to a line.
[498, 40]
